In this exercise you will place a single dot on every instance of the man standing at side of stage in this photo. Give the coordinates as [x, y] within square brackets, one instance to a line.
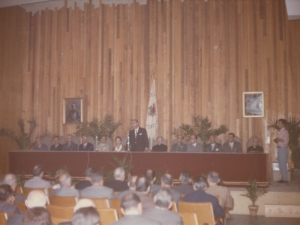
[282, 149]
[138, 138]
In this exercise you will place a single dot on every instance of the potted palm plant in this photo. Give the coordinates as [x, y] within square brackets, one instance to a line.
[253, 193]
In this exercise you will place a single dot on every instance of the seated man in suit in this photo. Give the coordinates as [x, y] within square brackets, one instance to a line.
[194, 146]
[138, 138]
[231, 145]
[37, 181]
[11, 180]
[119, 183]
[255, 148]
[39, 146]
[185, 186]
[56, 146]
[86, 146]
[162, 213]
[166, 181]
[160, 147]
[97, 190]
[179, 146]
[151, 177]
[87, 180]
[131, 208]
[103, 146]
[132, 187]
[70, 145]
[213, 146]
[143, 190]
[7, 200]
[65, 187]
[199, 195]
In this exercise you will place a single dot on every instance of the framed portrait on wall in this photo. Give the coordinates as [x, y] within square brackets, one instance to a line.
[253, 104]
[72, 110]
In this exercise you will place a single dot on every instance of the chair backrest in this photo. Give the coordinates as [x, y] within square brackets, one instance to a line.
[65, 201]
[3, 217]
[174, 207]
[21, 205]
[116, 204]
[19, 190]
[107, 216]
[60, 214]
[100, 203]
[26, 191]
[203, 211]
[189, 218]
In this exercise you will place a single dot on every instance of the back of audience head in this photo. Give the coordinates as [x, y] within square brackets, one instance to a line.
[119, 174]
[59, 173]
[163, 199]
[6, 194]
[89, 172]
[166, 180]
[37, 216]
[200, 183]
[11, 180]
[131, 205]
[142, 184]
[36, 198]
[38, 171]
[65, 180]
[97, 178]
[151, 176]
[185, 177]
[86, 216]
[213, 178]
[131, 182]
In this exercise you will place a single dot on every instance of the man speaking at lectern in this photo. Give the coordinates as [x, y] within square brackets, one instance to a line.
[138, 138]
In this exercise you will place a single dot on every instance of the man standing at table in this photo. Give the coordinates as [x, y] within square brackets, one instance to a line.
[282, 149]
[138, 138]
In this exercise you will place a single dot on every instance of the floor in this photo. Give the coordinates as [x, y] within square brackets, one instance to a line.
[261, 220]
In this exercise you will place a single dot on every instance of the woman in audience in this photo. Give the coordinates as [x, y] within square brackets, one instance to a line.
[119, 147]
[37, 216]
[86, 216]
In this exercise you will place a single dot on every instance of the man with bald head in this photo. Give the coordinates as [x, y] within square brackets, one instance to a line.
[35, 199]
[65, 187]
[37, 181]
[119, 183]
[255, 148]
[11, 180]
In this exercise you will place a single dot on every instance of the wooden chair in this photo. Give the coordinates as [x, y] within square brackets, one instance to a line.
[60, 214]
[204, 211]
[64, 201]
[21, 205]
[19, 190]
[100, 203]
[107, 216]
[189, 218]
[3, 217]
[116, 204]
[174, 207]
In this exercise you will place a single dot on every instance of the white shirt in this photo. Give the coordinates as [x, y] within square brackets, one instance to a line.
[118, 149]
[213, 145]
[195, 144]
[231, 144]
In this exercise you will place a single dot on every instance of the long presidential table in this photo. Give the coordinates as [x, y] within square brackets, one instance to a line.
[232, 167]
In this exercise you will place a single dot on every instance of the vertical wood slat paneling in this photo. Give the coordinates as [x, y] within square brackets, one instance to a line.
[203, 55]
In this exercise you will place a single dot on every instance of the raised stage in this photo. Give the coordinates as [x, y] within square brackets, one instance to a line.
[235, 169]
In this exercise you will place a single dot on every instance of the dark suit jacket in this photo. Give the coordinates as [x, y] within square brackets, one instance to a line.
[83, 184]
[58, 148]
[217, 148]
[164, 216]
[146, 200]
[89, 147]
[42, 147]
[179, 148]
[117, 185]
[198, 148]
[257, 149]
[237, 147]
[97, 192]
[15, 220]
[160, 148]
[9, 208]
[183, 189]
[201, 196]
[141, 141]
[135, 220]
[72, 147]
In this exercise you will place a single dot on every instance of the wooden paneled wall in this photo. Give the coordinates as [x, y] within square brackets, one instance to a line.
[203, 55]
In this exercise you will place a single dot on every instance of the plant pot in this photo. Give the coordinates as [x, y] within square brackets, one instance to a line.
[253, 210]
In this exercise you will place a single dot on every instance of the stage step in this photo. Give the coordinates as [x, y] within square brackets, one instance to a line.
[282, 211]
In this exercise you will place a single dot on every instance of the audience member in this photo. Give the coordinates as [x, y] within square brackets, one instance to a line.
[65, 184]
[255, 148]
[39, 146]
[119, 147]
[143, 189]
[161, 213]
[57, 175]
[213, 146]
[131, 208]
[11, 180]
[7, 200]
[103, 146]
[87, 180]
[199, 195]
[194, 146]
[56, 146]
[119, 183]
[151, 177]
[70, 145]
[37, 216]
[159, 147]
[85, 146]
[179, 146]
[86, 216]
[97, 190]
[185, 186]
[37, 181]
[132, 187]
[231, 145]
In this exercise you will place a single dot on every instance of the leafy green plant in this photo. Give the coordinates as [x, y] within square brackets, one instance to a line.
[202, 127]
[94, 128]
[23, 140]
[254, 192]
[21, 179]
